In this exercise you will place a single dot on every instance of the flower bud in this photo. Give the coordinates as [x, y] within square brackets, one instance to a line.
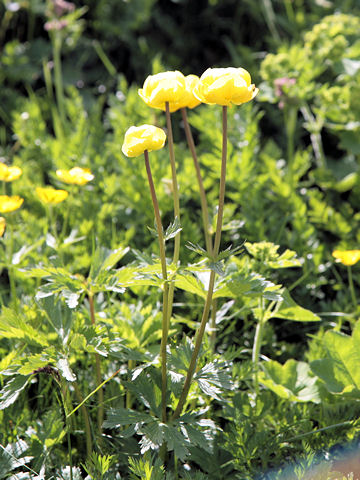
[145, 137]
[225, 86]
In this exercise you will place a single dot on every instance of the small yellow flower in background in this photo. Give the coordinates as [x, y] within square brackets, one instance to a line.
[347, 257]
[164, 87]
[2, 226]
[139, 139]
[51, 195]
[8, 174]
[75, 176]
[225, 86]
[10, 203]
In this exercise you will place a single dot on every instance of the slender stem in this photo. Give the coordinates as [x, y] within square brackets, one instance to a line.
[59, 88]
[222, 186]
[66, 403]
[290, 112]
[270, 19]
[165, 328]
[100, 393]
[204, 212]
[198, 342]
[204, 205]
[213, 324]
[176, 206]
[351, 286]
[131, 365]
[205, 315]
[315, 135]
[11, 268]
[86, 418]
[257, 346]
[174, 180]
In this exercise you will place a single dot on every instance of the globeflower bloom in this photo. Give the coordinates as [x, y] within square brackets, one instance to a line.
[225, 86]
[139, 139]
[347, 257]
[2, 226]
[188, 100]
[50, 195]
[162, 88]
[10, 203]
[75, 176]
[8, 174]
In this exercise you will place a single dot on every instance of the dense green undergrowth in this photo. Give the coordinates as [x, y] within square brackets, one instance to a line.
[277, 387]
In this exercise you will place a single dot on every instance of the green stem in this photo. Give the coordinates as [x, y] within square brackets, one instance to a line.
[176, 205]
[204, 205]
[290, 112]
[270, 19]
[165, 328]
[208, 301]
[315, 134]
[257, 346]
[204, 212]
[11, 268]
[100, 393]
[290, 12]
[131, 365]
[59, 88]
[351, 286]
[86, 418]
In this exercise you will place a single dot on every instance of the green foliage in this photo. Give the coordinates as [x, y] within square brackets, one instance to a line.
[81, 320]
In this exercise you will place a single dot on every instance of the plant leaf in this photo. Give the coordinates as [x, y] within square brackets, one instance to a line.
[293, 380]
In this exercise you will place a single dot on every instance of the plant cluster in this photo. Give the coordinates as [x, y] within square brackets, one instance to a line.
[193, 314]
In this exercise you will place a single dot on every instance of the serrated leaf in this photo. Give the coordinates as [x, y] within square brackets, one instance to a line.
[59, 317]
[292, 381]
[13, 325]
[213, 378]
[250, 284]
[123, 416]
[289, 310]
[176, 441]
[104, 259]
[187, 282]
[197, 249]
[32, 363]
[12, 389]
[173, 229]
[267, 254]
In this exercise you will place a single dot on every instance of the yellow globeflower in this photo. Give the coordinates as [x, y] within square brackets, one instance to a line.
[347, 257]
[2, 226]
[188, 100]
[225, 86]
[75, 176]
[139, 139]
[9, 204]
[164, 87]
[8, 174]
[51, 195]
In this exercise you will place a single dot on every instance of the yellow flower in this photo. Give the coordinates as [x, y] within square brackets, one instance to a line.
[139, 139]
[2, 226]
[225, 86]
[9, 204]
[8, 174]
[164, 87]
[347, 257]
[188, 100]
[75, 176]
[51, 195]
